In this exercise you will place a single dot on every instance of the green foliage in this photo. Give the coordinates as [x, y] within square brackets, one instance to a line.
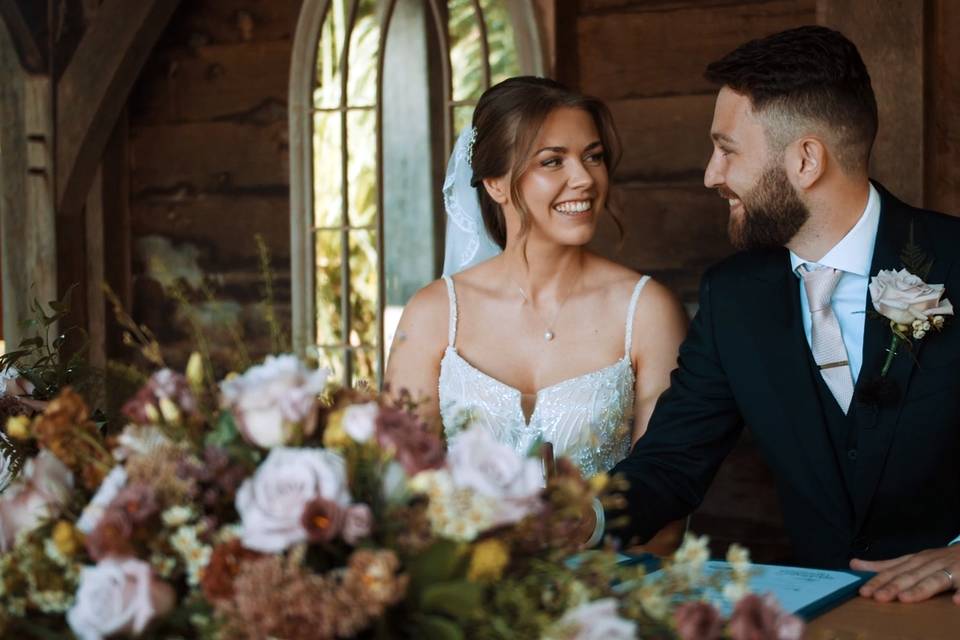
[915, 260]
[39, 357]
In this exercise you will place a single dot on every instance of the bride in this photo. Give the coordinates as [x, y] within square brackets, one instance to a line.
[543, 341]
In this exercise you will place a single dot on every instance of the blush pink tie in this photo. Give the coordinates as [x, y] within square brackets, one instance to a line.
[826, 342]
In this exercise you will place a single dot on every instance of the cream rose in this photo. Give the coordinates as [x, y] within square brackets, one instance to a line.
[357, 524]
[38, 494]
[494, 470]
[597, 620]
[274, 400]
[271, 502]
[903, 297]
[360, 421]
[118, 596]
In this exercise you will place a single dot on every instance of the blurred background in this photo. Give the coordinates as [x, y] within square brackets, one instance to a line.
[264, 175]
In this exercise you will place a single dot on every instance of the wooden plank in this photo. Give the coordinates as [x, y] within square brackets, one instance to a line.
[201, 221]
[671, 232]
[95, 86]
[95, 272]
[890, 38]
[664, 138]
[118, 262]
[212, 156]
[592, 6]
[232, 21]
[645, 54]
[24, 41]
[942, 161]
[241, 82]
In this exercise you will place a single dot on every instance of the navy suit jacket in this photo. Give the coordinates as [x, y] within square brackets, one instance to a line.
[746, 362]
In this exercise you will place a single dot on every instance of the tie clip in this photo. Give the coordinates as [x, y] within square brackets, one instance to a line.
[831, 365]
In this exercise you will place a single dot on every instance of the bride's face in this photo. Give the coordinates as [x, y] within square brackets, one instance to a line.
[565, 184]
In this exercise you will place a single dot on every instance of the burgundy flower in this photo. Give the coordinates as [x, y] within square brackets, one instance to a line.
[323, 519]
[414, 445]
[698, 621]
[137, 501]
[165, 383]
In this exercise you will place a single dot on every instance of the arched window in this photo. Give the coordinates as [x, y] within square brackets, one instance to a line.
[379, 90]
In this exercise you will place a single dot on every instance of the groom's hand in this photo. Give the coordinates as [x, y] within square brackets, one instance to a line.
[913, 577]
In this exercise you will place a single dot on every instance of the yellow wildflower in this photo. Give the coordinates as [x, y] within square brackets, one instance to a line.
[490, 557]
[334, 437]
[599, 482]
[18, 427]
[194, 371]
[65, 538]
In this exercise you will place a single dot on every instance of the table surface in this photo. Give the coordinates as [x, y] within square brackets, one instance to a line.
[935, 619]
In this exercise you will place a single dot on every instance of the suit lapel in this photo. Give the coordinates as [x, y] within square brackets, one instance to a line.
[783, 348]
[878, 421]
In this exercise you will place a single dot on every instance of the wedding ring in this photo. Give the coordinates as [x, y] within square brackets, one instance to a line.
[949, 575]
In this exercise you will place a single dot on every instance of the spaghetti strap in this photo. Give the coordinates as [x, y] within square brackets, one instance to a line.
[452, 329]
[631, 311]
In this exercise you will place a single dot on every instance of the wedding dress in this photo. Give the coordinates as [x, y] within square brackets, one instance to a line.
[588, 418]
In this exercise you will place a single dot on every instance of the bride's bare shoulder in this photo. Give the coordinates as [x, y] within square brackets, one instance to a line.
[656, 299]
[427, 311]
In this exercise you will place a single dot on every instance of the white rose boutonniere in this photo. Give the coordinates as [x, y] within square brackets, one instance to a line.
[912, 306]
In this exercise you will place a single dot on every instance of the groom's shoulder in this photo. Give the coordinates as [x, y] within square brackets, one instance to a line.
[747, 264]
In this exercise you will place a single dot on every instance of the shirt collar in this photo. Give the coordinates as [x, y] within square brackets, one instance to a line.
[854, 252]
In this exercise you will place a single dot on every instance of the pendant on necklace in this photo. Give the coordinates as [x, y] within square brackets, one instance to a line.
[548, 335]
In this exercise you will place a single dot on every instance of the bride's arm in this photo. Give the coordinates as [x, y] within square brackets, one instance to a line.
[418, 346]
[659, 327]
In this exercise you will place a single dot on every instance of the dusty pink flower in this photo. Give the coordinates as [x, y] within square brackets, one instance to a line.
[272, 501]
[38, 494]
[138, 501]
[118, 596]
[164, 383]
[597, 620]
[698, 621]
[111, 536]
[903, 297]
[357, 524]
[761, 618]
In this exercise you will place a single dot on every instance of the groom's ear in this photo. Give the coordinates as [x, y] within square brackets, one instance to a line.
[808, 162]
[498, 189]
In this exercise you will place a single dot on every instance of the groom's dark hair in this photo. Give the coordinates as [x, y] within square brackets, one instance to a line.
[803, 76]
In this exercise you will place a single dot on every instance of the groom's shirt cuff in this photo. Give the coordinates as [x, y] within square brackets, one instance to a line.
[601, 525]
[954, 541]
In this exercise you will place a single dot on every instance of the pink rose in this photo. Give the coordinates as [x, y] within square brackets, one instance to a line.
[756, 618]
[118, 596]
[902, 297]
[358, 523]
[597, 620]
[492, 469]
[698, 621]
[38, 494]
[271, 503]
[274, 401]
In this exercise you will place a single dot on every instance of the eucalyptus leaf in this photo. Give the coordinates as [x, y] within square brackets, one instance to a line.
[460, 599]
[436, 628]
[441, 562]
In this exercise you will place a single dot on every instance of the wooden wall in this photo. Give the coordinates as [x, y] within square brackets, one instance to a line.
[209, 157]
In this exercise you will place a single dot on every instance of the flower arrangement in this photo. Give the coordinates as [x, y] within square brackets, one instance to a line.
[274, 506]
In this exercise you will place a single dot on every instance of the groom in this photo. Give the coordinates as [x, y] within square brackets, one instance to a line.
[786, 340]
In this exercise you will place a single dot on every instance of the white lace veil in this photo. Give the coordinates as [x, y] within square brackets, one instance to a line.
[467, 241]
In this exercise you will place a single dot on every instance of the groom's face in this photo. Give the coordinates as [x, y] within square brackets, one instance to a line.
[765, 210]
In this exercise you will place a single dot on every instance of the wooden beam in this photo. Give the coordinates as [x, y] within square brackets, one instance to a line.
[95, 86]
[24, 40]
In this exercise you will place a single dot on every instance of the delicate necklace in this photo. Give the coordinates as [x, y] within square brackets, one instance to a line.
[549, 333]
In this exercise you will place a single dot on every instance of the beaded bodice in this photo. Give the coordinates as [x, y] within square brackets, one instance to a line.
[588, 418]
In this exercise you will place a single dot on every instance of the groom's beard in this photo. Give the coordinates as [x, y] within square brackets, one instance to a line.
[772, 213]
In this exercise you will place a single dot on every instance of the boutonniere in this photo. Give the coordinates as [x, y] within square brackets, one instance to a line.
[913, 307]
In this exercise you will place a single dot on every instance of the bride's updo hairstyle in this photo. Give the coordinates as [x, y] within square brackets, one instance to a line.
[507, 121]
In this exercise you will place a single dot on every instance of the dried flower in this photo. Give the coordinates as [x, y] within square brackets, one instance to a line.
[38, 494]
[18, 427]
[65, 537]
[225, 564]
[410, 440]
[490, 557]
[165, 387]
[761, 618]
[65, 429]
